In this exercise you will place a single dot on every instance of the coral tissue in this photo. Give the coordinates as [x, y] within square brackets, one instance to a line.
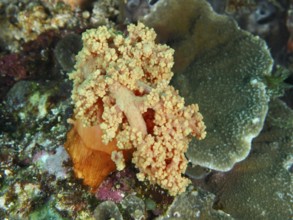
[124, 103]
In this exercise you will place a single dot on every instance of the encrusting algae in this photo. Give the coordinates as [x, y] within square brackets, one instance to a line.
[124, 106]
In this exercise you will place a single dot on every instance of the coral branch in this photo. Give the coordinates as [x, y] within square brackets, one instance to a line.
[128, 103]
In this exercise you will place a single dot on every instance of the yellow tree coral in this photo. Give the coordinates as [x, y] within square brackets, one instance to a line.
[121, 87]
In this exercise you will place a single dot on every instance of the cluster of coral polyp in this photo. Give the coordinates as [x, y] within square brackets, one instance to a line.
[122, 96]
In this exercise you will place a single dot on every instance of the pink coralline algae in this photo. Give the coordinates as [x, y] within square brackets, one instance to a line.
[108, 191]
[12, 69]
[12, 65]
[116, 186]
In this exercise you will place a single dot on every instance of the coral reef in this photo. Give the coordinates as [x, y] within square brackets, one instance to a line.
[134, 9]
[134, 206]
[12, 68]
[24, 21]
[74, 4]
[66, 50]
[265, 177]
[26, 193]
[34, 61]
[121, 88]
[268, 19]
[30, 21]
[36, 180]
[107, 210]
[38, 43]
[53, 162]
[194, 204]
[214, 70]
[105, 12]
[117, 186]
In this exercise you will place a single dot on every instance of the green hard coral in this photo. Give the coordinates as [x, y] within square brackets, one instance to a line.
[234, 99]
[223, 69]
[194, 204]
[261, 186]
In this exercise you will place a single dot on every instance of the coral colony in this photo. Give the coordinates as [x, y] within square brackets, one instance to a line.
[121, 90]
[146, 109]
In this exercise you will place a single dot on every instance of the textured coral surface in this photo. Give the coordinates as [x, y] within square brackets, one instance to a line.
[121, 86]
[220, 62]
[222, 68]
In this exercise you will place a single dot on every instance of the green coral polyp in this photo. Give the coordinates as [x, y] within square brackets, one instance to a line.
[223, 68]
